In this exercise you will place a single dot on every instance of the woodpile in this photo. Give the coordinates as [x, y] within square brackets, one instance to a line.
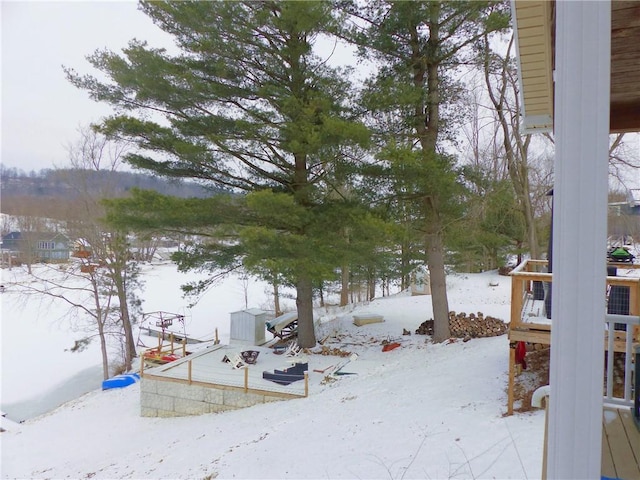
[618, 373]
[504, 270]
[467, 327]
[425, 328]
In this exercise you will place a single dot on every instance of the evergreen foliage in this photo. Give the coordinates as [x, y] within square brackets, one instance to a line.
[412, 101]
[246, 105]
[492, 227]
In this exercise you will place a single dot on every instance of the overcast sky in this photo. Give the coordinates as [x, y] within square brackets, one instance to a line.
[41, 110]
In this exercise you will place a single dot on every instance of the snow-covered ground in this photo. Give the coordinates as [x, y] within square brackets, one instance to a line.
[38, 332]
[419, 411]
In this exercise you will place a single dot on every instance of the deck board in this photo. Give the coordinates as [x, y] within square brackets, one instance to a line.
[608, 470]
[633, 434]
[620, 445]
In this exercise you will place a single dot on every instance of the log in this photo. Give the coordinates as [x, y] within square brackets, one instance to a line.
[367, 318]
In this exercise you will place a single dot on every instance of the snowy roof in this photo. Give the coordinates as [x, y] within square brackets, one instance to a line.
[251, 311]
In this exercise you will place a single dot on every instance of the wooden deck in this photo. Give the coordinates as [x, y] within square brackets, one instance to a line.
[528, 322]
[206, 368]
[620, 445]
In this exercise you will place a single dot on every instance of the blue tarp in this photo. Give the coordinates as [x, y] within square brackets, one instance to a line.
[120, 381]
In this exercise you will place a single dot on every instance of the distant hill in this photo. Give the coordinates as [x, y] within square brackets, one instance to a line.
[60, 184]
[53, 194]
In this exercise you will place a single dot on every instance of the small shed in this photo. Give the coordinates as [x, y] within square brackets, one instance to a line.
[420, 281]
[248, 326]
[633, 202]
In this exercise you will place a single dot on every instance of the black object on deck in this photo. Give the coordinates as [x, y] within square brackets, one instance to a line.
[636, 402]
[288, 375]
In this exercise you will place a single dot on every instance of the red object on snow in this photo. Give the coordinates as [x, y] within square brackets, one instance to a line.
[390, 346]
[170, 358]
[521, 352]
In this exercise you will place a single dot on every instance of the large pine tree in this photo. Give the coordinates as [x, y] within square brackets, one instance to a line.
[246, 105]
[419, 46]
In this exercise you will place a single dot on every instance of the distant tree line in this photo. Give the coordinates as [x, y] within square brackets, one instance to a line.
[55, 183]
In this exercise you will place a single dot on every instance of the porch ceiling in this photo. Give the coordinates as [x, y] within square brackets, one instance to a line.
[534, 24]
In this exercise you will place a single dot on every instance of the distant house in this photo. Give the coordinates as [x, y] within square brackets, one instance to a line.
[39, 246]
[633, 200]
[11, 242]
[10, 250]
[52, 246]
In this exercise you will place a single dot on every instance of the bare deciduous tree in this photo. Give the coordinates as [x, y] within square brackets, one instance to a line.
[87, 293]
[109, 248]
[502, 87]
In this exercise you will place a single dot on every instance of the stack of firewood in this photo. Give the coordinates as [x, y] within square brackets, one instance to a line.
[504, 270]
[425, 328]
[472, 326]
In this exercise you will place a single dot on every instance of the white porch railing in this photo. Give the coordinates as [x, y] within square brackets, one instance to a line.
[615, 320]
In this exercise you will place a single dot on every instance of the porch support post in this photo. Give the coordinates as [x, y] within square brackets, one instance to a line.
[583, 53]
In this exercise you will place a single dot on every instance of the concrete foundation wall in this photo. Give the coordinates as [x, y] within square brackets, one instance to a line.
[172, 399]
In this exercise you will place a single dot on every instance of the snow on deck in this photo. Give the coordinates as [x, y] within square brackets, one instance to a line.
[533, 311]
[207, 366]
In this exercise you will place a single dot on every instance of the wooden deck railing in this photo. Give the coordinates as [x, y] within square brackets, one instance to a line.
[614, 337]
[154, 356]
[529, 323]
[530, 271]
[522, 289]
[201, 370]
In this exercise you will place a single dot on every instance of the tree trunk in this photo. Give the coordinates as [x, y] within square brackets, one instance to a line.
[119, 275]
[103, 347]
[304, 304]
[438, 278]
[532, 234]
[371, 286]
[518, 168]
[405, 279]
[321, 293]
[515, 146]
[130, 345]
[304, 283]
[427, 130]
[101, 318]
[276, 299]
[344, 275]
[344, 292]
